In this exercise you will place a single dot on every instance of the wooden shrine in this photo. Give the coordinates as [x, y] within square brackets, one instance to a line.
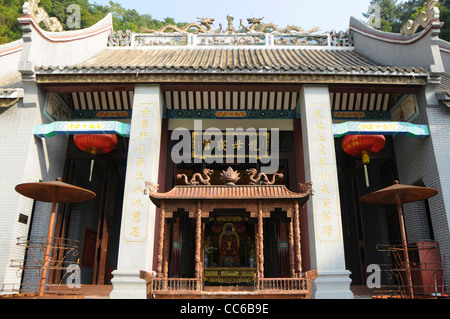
[258, 201]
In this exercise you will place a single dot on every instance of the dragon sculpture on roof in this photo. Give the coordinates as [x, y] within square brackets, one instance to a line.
[256, 26]
[204, 25]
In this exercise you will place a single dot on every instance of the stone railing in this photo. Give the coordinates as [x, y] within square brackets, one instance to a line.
[254, 39]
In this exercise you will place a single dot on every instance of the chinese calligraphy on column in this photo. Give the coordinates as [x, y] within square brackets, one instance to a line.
[323, 168]
[136, 210]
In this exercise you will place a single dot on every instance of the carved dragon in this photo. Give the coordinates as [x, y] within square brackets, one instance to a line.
[261, 178]
[306, 188]
[198, 178]
[204, 25]
[256, 26]
[150, 187]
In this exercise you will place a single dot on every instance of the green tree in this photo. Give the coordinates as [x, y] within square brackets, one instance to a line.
[387, 13]
[123, 19]
[10, 11]
[445, 18]
[393, 14]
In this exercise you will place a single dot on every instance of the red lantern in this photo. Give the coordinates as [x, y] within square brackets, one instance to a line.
[363, 146]
[95, 144]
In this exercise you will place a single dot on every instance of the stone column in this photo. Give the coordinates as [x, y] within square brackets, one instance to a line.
[324, 211]
[137, 232]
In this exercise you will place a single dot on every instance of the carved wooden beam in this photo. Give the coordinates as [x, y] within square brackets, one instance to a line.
[298, 253]
[260, 241]
[161, 239]
[291, 248]
[198, 242]
[166, 250]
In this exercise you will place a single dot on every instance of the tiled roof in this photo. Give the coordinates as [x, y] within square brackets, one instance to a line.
[237, 192]
[12, 79]
[445, 83]
[443, 91]
[236, 60]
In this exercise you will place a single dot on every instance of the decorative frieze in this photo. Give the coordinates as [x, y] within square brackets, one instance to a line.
[341, 39]
[119, 39]
[201, 33]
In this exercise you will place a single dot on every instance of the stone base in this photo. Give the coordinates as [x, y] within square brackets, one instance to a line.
[332, 285]
[128, 285]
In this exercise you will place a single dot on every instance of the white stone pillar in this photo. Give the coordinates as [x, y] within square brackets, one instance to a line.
[137, 232]
[324, 211]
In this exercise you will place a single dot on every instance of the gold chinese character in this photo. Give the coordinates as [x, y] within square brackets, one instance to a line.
[324, 176]
[140, 162]
[321, 138]
[138, 190]
[135, 231]
[326, 202]
[253, 145]
[326, 217]
[238, 144]
[136, 202]
[327, 231]
[318, 114]
[144, 124]
[139, 175]
[319, 126]
[222, 145]
[145, 112]
[324, 189]
[141, 149]
[322, 162]
[143, 136]
[207, 145]
[136, 217]
[322, 150]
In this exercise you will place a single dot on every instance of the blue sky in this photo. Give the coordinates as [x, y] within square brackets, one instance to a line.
[326, 14]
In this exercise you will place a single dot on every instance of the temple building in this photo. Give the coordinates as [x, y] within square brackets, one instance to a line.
[225, 159]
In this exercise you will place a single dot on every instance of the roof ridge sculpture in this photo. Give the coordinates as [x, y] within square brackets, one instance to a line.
[205, 25]
[256, 26]
[32, 8]
[424, 18]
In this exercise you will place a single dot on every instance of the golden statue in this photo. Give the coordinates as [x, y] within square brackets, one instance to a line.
[229, 246]
[209, 251]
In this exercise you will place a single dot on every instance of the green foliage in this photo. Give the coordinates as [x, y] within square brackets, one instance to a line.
[10, 29]
[123, 19]
[394, 13]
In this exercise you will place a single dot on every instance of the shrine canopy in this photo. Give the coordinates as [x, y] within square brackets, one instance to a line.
[225, 192]
[251, 197]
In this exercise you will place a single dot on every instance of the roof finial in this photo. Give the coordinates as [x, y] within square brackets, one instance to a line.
[40, 15]
[423, 19]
